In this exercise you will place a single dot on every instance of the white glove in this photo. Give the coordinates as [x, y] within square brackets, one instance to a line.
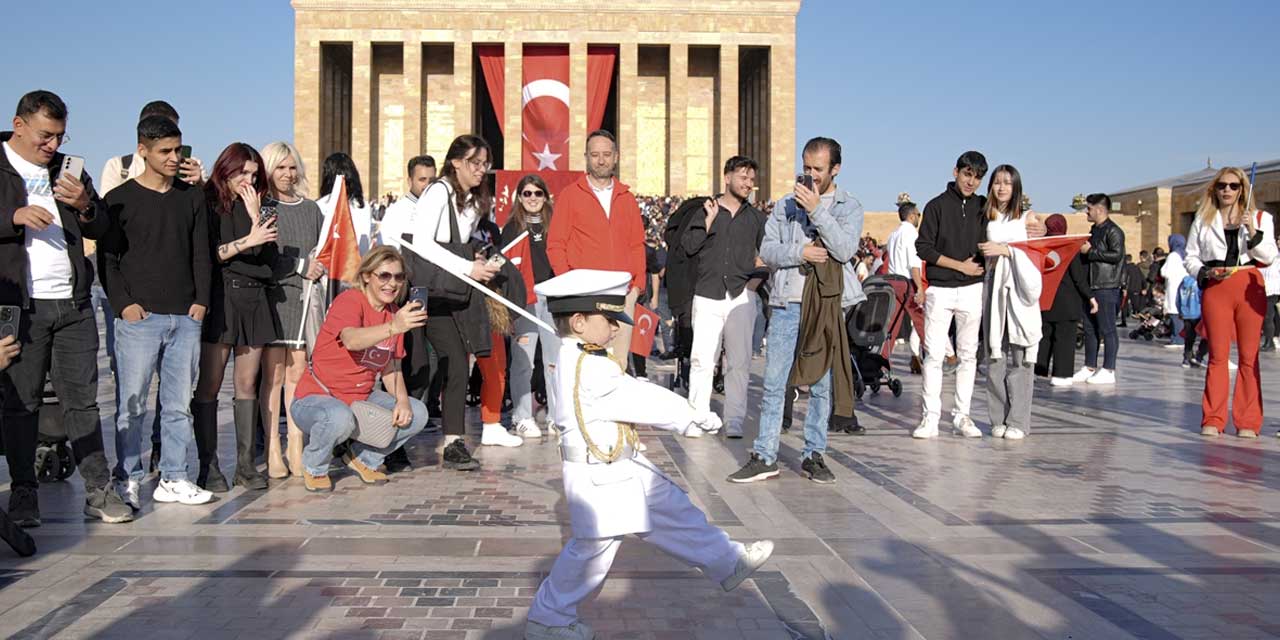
[707, 423]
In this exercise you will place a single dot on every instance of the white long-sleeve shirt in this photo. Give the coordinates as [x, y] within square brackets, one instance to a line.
[1173, 271]
[399, 218]
[901, 248]
[431, 227]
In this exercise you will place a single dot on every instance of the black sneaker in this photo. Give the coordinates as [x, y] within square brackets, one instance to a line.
[20, 540]
[24, 507]
[457, 457]
[817, 469]
[107, 505]
[755, 469]
[397, 461]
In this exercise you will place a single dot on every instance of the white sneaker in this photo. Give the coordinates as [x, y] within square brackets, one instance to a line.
[183, 491]
[1014, 433]
[925, 431]
[1173, 346]
[694, 433]
[733, 430]
[1083, 374]
[527, 428]
[496, 435]
[1062, 382]
[998, 431]
[129, 492]
[754, 555]
[1103, 376]
[963, 426]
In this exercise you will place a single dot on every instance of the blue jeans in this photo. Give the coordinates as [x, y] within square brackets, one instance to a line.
[328, 421]
[784, 328]
[138, 347]
[1176, 336]
[100, 301]
[1102, 325]
[524, 349]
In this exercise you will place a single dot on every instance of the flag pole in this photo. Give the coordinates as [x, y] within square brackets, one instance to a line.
[485, 290]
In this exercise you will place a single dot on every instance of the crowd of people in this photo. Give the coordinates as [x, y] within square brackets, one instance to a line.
[193, 270]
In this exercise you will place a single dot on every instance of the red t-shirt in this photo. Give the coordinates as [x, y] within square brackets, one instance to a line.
[350, 374]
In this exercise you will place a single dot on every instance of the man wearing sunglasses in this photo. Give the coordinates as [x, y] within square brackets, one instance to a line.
[1103, 254]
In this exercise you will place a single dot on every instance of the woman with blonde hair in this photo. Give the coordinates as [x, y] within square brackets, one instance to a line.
[1226, 246]
[298, 220]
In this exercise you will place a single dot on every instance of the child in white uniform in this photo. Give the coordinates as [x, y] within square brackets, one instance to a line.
[611, 488]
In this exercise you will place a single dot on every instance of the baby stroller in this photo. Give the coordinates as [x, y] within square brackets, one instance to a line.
[1151, 324]
[54, 461]
[873, 326]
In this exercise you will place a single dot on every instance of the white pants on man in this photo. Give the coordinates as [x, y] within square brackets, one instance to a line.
[941, 304]
[730, 319]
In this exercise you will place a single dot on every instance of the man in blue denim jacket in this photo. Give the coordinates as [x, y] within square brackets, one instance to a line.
[831, 214]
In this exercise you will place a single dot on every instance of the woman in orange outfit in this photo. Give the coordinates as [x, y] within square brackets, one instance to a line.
[1226, 248]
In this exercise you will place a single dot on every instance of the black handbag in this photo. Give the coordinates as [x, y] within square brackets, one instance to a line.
[441, 285]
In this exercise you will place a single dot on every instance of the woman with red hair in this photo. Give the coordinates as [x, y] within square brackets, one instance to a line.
[1226, 246]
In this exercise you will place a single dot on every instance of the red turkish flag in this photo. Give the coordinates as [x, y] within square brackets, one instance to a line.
[505, 188]
[1054, 255]
[545, 108]
[341, 251]
[644, 331]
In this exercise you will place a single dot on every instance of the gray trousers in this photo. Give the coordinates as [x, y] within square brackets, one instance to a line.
[1010, 381]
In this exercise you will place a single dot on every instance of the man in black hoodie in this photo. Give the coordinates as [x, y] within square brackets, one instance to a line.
[953, 225]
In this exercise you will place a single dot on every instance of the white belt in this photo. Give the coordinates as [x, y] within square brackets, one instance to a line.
[581, 455]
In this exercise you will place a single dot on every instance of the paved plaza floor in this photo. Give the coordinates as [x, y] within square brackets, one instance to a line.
[1114, 519]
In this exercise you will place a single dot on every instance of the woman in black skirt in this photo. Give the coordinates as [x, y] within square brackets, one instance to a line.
[242, 235]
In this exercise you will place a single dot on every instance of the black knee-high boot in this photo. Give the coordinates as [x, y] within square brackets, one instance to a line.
[247, 475]
[205, 416]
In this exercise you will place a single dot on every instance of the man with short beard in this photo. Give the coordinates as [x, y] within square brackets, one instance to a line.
[399, 215]
[725, 238]
[598, 226]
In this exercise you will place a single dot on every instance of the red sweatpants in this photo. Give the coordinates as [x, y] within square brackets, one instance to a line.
[493, 368]
[1234, 308]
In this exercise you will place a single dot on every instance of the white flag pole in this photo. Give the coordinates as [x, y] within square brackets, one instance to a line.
[523, 234]
[485, 290]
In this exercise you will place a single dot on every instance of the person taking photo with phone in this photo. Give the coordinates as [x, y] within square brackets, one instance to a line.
[46, 214]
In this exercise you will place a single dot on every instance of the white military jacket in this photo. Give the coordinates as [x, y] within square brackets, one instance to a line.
[608, 500]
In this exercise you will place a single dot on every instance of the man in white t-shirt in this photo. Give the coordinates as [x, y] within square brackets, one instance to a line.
[905, 262]
[45, 217]
[399, 217]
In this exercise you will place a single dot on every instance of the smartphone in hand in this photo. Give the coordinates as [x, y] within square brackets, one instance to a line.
[72, 166]
[805, 180]
[418, 294]
[10, 318]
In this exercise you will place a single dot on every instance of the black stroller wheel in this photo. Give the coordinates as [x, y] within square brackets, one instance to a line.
[540, 397]
[875, 387]
[895, 386]
[68, 462]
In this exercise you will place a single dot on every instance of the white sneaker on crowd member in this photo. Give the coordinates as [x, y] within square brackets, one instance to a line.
[183, 491]
[1061, 382]
[733, 430]
[527, 428]
[1103, 376]
[496, 435]
[694, 433]
[1172, 346]
[998, 431]
[1083, 374]
[964, 426]
[1245, 433]
[129, 491]
[925, 431]
[1014, 433]
[1213, 432]
[753, 556]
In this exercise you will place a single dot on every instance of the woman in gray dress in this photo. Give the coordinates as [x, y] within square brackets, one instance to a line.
[285, 360]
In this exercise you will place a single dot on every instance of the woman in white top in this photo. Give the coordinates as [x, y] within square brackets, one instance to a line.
[1173, 271]
[460, 193]
[1227, 247]
[341, 164]
[1011, 308]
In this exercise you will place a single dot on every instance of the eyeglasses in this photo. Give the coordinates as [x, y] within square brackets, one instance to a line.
[1229, 186]
[386, 276]
[532, 194]
[43, 137]
[479, 165]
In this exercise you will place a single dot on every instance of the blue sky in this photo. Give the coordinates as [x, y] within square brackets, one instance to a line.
[1080, 96]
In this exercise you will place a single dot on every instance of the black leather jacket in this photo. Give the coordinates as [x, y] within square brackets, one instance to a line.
[1106, 256]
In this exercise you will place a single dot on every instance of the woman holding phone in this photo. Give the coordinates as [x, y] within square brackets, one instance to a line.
[530, 219]
[298, 222]
[242, 238]
[1226, 246]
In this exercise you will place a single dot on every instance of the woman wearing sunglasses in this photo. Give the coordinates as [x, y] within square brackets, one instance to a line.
[1226, 247]
[530, 218]
[362, 336]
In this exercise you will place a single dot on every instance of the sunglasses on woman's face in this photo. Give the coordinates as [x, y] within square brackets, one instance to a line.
[385, 276]
[1229, 186]
[532, 194]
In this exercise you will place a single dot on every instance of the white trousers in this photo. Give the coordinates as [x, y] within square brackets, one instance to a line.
[678, 528]
[941, 304]
[729, 321]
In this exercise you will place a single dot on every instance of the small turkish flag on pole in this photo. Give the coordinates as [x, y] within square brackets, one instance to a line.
[644, 331]
[340, 253]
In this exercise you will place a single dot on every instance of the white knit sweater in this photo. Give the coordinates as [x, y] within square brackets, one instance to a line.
[1011, 291]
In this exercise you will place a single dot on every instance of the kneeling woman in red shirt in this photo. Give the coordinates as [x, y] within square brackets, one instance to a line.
[362, 336]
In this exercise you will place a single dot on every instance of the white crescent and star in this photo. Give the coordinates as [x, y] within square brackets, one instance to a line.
[545, 88]
[1053, 260]
[644, 323]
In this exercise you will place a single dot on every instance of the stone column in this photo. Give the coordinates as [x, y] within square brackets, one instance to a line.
[306, 100]
[413, 132]
[361, 120]
[677, 117]
[782, 119]
[513, 98]
[461, 87]
[727, 123]
[628, 79]
[577, 106]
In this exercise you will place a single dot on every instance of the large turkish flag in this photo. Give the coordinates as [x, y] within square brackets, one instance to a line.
[545, 108]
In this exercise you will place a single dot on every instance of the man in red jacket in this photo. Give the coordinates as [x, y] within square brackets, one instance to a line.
[597, 225]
